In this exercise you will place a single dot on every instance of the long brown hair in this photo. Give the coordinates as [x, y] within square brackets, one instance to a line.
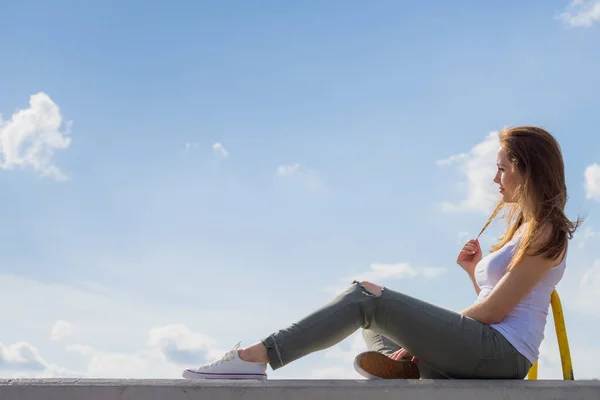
[541, 195]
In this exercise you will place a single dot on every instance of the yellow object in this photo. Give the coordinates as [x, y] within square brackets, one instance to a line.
[563, 341]
[533, 371]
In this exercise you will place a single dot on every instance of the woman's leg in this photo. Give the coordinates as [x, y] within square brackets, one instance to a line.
[322, 329]
[379, 343]
[457, 346]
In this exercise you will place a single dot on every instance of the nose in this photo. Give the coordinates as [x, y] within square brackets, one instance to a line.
[497, 178]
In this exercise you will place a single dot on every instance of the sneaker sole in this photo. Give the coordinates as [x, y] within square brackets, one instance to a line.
[373, 365]
[189, 374]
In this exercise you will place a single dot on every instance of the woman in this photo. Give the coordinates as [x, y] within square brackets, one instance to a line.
[497, 337]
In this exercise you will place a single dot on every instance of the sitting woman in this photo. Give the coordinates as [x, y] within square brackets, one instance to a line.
[497, 337]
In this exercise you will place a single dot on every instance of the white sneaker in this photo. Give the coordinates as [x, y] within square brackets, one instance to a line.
[230, 366]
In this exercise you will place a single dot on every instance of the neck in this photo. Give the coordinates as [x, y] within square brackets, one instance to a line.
[527, 214]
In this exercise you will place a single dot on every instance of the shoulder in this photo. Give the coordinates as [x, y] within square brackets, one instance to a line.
[540, 238]
[545, 238]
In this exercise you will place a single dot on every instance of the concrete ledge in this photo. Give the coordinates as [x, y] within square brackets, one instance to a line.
[92, 389]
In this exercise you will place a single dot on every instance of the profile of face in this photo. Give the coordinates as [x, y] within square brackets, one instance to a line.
[507, 176]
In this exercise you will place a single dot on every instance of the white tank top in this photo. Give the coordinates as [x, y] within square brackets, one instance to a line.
[524, 326]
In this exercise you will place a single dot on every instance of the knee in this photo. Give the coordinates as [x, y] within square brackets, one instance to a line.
[372, 288]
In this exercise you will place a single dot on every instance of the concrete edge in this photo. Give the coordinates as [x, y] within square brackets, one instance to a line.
[300, 383]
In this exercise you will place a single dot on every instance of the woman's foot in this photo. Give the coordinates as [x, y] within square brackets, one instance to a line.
[230, 366]
[374, 365]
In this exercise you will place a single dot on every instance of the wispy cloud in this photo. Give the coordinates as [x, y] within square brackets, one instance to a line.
[288, 170]
[477, 167]
[148, 363]
[581, 13]
[386, 271]
[167, 350]
[182, 346]
[159, 352]
[21, 356]
[189, 146]
[308, 177]
[220, 150]
[588, 297]
[431, 272]
[357, 346]
[452, 159]
[61, 330]
[462, 238]
[31, 136]
[583, 237]
[584, 357]
[592, 182]
[335, 373]
[379, 273]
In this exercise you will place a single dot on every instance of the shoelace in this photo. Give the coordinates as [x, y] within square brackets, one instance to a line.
[228, 356]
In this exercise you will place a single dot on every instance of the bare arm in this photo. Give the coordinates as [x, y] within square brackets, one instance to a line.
[511, 289]
[475, 285]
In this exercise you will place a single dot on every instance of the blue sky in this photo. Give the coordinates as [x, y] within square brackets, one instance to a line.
[178, 178]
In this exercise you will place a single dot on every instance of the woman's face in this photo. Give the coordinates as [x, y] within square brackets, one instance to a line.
[507, 177]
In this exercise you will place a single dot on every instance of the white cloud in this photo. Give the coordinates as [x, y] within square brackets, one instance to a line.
[378, 273]
[23, 360]
[297, 172]
[61, 330]
[21, 356]
[452, 159]
[168, 349]
[584, 236]
[146, 364]
[581, 13]
[396, 271]
[190, 145]
[461, 238]
[357, 346]
[592, 182]
[182, 346]
[55, 371]
[335, 373]
[289, 169]
[112, 328]
[220, 150]
[81, 349]
[588, 295]
[432, 272]
[384, 271]
[478, 168]
[340, 359]
[584, 358]
[32, 135]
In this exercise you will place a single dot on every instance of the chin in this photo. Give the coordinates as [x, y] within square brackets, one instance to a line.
[507, 199]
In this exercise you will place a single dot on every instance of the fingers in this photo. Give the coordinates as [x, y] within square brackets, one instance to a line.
[398, 355]
[472, 246]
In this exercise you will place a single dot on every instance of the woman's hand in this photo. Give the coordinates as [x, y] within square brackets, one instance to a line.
[469, 256]
[400, 354]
